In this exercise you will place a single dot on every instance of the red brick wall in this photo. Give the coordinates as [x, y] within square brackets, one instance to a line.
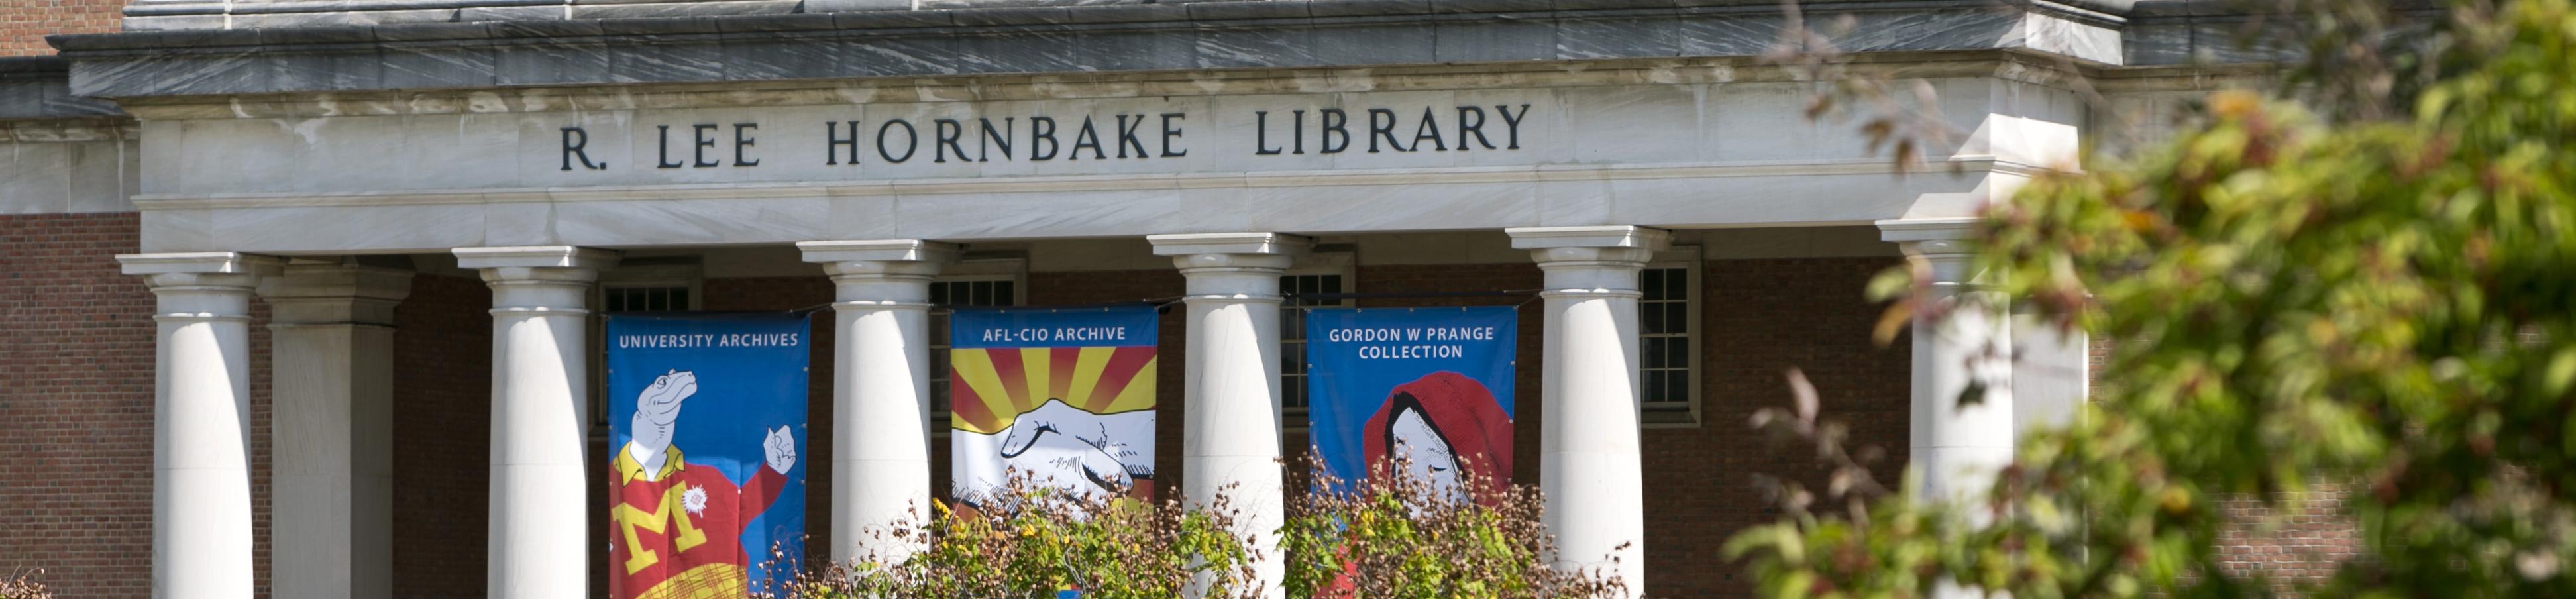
[76, 491]
[80, 404]
[1760, 318]
[2290, 540]
[25, 23]
[442, 423]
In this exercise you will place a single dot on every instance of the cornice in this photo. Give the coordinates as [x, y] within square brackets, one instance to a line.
[2010, 65]
[1021, 40]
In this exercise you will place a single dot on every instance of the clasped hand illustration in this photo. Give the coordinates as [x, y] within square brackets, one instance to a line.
[1064, 447]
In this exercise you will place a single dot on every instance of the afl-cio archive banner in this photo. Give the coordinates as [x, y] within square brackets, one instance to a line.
[1064, 395]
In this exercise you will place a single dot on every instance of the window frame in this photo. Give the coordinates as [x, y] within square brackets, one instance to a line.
[1687, 412]
[1322, 262]
[1010, 267]
[649, 272]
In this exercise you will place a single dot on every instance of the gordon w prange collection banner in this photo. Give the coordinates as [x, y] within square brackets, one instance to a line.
[1431, 384]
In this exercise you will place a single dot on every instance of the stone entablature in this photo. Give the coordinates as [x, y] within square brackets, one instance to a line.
[1671, 143]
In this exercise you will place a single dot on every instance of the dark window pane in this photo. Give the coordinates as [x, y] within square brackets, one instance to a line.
[1677, 317]
[1678, 353]
[1332, 284]
[1677, 283]
[1652, 282]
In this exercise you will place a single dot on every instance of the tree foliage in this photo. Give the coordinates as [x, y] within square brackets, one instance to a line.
[2389, 303]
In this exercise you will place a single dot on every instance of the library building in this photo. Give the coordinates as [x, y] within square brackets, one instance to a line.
[406, 298]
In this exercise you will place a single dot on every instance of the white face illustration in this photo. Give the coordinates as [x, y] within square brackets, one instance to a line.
[658, 407]
[1430, 458]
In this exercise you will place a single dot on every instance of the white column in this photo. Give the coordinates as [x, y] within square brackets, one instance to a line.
[201, 520]
[331, 351]
[1588, 421]
[1230, 388]
[1961, 341]
[539, 546]
[880, 391]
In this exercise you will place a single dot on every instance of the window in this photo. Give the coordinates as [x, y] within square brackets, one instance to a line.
[673, 298]
[640, 284]
[1668, 341]
[1318, 273]
[971, 283]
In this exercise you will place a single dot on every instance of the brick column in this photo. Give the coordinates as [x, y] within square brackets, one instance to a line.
[331, 432]
[201, 517]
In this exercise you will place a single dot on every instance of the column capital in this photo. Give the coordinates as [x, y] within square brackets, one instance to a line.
[532, 257]
[1591, 261]
[335, 293]
[1601, 236]
[880, 258]
[201, 286]
[199, 263]
[1188, 244]
[880, 274]
[549, 279]
[1946, 248]
[878, 250]
[1931, 236]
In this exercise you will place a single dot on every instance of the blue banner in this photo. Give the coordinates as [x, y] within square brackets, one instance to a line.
[1064, 395]
[1432, 384]
[706, 421]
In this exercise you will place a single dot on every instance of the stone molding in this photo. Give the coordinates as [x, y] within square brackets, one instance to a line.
[1066, 183]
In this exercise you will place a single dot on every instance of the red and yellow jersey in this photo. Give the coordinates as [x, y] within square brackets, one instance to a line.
[679, 535]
